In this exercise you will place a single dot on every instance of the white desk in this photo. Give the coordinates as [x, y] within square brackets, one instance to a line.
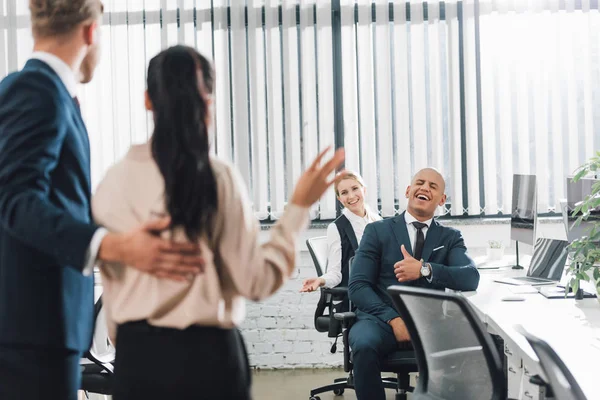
[571, 327]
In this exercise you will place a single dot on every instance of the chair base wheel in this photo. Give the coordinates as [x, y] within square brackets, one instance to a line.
[338, 392]
[315, 398]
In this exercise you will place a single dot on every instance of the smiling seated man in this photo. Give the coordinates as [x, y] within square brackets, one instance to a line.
[412, 249]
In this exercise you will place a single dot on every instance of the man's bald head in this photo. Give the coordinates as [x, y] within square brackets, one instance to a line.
[430, 171]
[425, 193]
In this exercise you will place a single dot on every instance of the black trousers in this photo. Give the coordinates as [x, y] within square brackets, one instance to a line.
[195, 363]
[32, 373]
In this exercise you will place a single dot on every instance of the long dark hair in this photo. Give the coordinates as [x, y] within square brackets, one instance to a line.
[179, 81]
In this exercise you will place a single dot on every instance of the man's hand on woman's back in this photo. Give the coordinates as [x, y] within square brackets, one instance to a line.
[143, 249]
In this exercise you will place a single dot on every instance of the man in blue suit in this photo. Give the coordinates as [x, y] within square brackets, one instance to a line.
[412, 249]
[48, 242]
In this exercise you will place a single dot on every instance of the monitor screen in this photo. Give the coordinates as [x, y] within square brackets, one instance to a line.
[576, 192]
[524, 209]
[549, 258]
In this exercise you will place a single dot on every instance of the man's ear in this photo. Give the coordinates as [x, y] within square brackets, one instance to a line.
[407, 190]
[90, 33]
[147, 102]
[443, 200]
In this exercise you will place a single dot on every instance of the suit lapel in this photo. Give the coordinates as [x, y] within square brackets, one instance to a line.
[432, 239]
[401, 233]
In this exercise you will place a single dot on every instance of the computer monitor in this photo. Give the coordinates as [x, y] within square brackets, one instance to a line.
[549, 259]
[577, 192]
[523, 218]
[547, 264]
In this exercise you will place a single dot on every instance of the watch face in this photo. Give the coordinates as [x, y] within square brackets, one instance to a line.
[424, 270]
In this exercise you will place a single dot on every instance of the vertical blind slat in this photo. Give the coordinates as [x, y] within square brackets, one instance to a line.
[402, 111]
[349, 88]
[275, 109]
[223, 114]
[258, 110]
[384, 109]
[454, 184]
[366, 95]
[471, 108]
[291, 89]
[325, 93]
[239, 92]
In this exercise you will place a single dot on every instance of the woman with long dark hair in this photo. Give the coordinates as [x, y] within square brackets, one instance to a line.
[178, 339]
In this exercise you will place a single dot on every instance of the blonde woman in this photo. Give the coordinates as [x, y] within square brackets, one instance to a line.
[344, 234]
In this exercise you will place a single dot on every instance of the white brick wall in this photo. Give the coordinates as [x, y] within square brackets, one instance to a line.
[279, 331]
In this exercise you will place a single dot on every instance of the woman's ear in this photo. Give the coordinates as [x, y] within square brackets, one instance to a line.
[147, 101]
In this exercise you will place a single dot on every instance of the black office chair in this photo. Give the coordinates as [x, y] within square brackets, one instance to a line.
[559, 379]
[401, 362]
[324, 314]
[97, 364]
[457, 358]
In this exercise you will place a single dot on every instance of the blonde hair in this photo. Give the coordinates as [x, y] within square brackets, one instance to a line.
[349, 175]
[59, 17]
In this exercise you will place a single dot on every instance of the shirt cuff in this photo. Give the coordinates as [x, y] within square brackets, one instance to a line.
[295, 217]
[92, 251]
[430, 277]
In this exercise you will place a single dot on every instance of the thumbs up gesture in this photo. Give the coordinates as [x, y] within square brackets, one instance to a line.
[409, 268]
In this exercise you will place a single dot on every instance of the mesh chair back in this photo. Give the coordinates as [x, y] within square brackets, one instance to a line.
[102, 350]
[559, 377]
[456, 356]
[317, 247]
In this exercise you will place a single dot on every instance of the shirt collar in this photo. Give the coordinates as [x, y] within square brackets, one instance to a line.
[64, 72]
[410, 219]
[353, 217]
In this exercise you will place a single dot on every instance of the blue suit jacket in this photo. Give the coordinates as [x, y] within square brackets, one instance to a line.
[373, 267]
[45, 216]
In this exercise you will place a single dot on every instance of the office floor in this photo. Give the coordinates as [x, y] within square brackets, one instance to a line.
[291, 385]
[296, 384]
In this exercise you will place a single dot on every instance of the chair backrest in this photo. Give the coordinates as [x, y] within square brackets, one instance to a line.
[102, 351]
[317, 247]
[456, 356]
[563, 384]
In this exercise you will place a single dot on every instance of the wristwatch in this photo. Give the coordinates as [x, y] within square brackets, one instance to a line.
[425, 269]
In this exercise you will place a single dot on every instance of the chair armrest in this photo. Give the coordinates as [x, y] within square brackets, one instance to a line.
[338, 293]
[347, 318]
[105, 361]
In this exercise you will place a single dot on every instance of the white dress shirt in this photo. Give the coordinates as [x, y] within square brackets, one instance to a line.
[67, 76]
[333, 276]
[412, 233]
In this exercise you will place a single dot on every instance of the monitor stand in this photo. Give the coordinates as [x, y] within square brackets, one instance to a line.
[517, 266]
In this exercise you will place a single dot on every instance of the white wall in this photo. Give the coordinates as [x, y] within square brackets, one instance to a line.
[280, 333]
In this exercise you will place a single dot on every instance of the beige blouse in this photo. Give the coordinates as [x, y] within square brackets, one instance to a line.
[132, 193]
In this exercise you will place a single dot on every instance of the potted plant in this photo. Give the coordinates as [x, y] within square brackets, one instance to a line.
[495, 251]
[585, 252]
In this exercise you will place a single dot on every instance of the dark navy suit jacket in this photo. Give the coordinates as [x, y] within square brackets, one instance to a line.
[373, 267]
[45, 217]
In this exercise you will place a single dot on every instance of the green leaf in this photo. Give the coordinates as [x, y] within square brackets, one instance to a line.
[575, 285]
[597, 274]
[568, 288]
[580, 174]
[583, 277]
